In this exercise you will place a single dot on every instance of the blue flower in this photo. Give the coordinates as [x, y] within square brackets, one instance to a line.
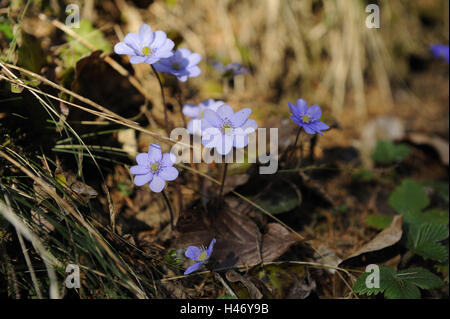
[200, 255]
[182, 64]
[440, 51]
[197, 113]
[230, 70]
[154, 169]
[308, 118]
[147, 46]
[225, 129]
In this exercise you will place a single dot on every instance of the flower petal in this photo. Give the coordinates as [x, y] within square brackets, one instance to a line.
[308, 129]
[302, 106]
[213, 117]
[225, 111]
[145, 35]
[159, 37]
[194, 71]
[249, 126]
[193, 252]
[133, 41]
[193, 268]
[295, 110]
[135, 59]
[168, 160]
[142, 159]
[194, 58]
[239, 118]
[157, 184]
[139, 170]
[320, 126]
[314, 112]
[240, 141]
[210, 248]
[225, 144]
[168, 173]
[191, 110]
[140, 180]
[154, 153]
[123, 48]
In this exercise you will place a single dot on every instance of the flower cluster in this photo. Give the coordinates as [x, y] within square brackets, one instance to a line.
[307, 118]
[155, 48]
[215, 121]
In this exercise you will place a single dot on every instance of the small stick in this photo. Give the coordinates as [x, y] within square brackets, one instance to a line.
[222, 183]
[166, 117]
[166, 199]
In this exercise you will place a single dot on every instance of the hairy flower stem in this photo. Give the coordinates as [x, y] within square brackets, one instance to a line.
[166, 117]
[166, 199]
[222, 183]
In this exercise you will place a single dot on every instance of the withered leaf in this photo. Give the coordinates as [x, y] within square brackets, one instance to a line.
[239, 240]
[388, 237]
[253, 291]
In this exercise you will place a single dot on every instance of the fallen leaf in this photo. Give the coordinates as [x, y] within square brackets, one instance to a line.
[239, 241]
[285, 280]
[388, 237]
[253, 291]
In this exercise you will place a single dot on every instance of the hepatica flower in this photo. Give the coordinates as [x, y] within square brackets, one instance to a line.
[146, 46]
[230, 70]
[225, 129]
[182, 64]
[197, 113]
[200, 255]
[440, 51]
[307, 117]
[154, 168]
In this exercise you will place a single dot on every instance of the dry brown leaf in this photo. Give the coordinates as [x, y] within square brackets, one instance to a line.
[238, 237]
[388, 237]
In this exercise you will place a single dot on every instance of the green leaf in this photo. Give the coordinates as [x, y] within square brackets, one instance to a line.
[379, 221]
[422, 237]
[31, 55]
[408, 197]
[437, 216]
[387, 152]
[76, 50]
[420, 277]
[6, 29]
[402, 285]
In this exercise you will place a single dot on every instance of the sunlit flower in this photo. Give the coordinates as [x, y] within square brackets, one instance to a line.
[146, 46]
[154, 169]
[197, 113]
[182, 64]
[307, 118]
[227, 129]
[200, 255]
[440, 51]
[230, 70]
